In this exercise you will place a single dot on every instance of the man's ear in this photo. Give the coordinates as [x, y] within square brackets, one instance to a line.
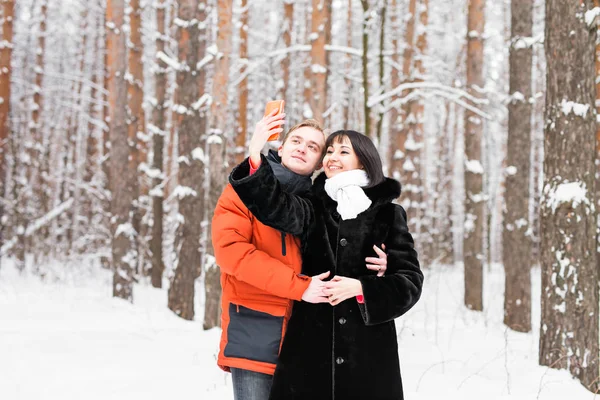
[280, 151]
[319, 166]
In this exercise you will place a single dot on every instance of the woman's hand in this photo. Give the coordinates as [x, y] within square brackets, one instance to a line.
[267, 126]
[314, 293]
[378, 263]
[341, 288]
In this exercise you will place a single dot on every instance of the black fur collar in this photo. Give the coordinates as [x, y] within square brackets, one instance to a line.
[290, 181]
[384, 192]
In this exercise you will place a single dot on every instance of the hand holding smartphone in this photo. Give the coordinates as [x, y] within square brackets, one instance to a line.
[271, 106]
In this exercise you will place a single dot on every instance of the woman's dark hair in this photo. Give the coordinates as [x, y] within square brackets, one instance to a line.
[365, 151]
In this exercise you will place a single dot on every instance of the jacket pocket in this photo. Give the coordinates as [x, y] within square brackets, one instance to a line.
[253, 335]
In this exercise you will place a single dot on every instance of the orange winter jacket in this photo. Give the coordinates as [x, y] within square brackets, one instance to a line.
[260, 276]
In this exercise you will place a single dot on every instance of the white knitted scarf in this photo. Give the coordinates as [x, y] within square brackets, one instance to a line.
[346, 189]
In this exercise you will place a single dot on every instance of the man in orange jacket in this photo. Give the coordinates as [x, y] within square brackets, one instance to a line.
[260, 266]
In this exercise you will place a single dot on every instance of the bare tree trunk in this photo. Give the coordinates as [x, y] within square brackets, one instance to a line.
[597, 176]
[171, 165]
[365, 66]
[8, 12]
[398, 135]
[38, 179]
[316, 93]
[106, 109]
[72, 170]
[441, 246]
[191, 37]
[137, 123]
[123, 239]
[413, 196]
[92, 150]
[242, 125]
[288, 27]
[516, 236]
[216, 149]
[348, 65]
[474, 198]
[34, 127]
[569, 325]
[539, 83]
[158, 140]
[105, 160]
[136, 88]
[382, 16]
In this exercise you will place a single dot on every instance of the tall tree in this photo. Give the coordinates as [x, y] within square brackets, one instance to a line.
[365, 66]
[105, 159]
[413, 130]
[106, 108]
[218, 124]
[348, 63]
[191, 27]
[42, 152]
[92, 150]
[8, 12]
[442, 245]
[569, 324]
[242, 125]
[474, 198]
[316, 87]
[123, 235]
[516, 233]
[34, 127]
[398, 136]
[136, 122]
[288, 27]
[381, 56]
[158, 132]
[71, 161]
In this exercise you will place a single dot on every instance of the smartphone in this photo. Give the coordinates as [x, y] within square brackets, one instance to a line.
[274, 105]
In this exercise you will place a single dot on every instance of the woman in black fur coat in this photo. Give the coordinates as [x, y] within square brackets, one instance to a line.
[347, 348]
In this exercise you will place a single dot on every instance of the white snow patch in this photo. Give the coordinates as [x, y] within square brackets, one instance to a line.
[408, 166]
[75, 341]
[125, 229]
[591, 15]
[318, 69]
[398, 155]
[575, 108]
[511, 170]
[183, 191]
[517, 97]
[198, 154]
[214, 139]
[156, 192]
[521, 222]
[474, 166]
[169, 61]
[566, 192]
[412, 145]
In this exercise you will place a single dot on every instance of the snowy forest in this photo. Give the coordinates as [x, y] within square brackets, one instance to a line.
[120, 121]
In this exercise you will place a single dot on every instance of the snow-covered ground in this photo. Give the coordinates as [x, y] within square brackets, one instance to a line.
[68, 339]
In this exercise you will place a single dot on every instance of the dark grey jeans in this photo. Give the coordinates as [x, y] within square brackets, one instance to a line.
[250, 385]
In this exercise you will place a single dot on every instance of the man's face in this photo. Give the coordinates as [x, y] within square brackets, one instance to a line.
[301, 152]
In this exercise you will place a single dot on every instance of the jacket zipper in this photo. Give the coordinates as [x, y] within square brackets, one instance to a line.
[283, 249]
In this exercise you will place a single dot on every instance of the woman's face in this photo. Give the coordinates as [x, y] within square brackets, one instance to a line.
[340, 157]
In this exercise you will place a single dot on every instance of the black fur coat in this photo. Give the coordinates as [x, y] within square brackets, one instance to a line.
[348, 351]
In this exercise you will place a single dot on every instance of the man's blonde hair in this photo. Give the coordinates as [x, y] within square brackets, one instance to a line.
[310, 123]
